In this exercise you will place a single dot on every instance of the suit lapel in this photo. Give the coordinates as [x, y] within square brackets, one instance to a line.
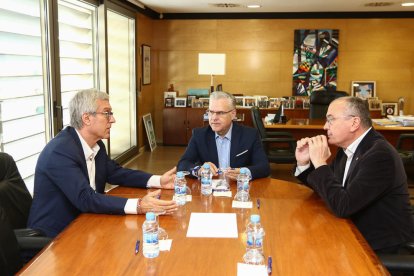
[212, 146]
[234, 144]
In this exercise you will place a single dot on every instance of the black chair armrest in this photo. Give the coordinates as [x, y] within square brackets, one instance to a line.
[33, 242]
[279, 140]
[398, 263]
[28, 232]
[279, 133]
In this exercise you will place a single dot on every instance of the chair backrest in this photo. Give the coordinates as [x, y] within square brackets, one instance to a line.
[320, 100]
[10, 260]
[15, 199]
[257, 121]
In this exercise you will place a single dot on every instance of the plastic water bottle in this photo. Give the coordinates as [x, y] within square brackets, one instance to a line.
[206, 176]
[180, 188]
[150, 246]
[243, 186]
[254, 245]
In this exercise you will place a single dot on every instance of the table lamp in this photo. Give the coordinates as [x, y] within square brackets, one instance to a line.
[211, 64]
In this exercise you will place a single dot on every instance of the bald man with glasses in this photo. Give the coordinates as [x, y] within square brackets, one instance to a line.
[365, 182]
[224, 144]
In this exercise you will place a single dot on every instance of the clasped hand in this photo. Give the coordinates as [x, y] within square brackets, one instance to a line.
[314, 149]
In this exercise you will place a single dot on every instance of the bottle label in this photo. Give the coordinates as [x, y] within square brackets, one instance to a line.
[205, 181]
[180, 190]
[150, 238]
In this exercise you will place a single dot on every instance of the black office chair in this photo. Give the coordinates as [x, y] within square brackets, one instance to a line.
[405, 148]
[400, 264]
[320, 100]
[279, 146]
[15, 202]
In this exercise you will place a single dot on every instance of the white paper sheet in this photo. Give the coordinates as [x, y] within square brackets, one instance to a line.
[249, 270]
[240, 204]
[212, 225]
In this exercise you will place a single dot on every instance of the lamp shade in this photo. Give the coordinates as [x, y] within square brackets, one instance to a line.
[211, 64]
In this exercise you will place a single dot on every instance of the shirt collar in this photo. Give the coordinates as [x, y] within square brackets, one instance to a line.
[89, 152]
[228, 134]
[350, 150]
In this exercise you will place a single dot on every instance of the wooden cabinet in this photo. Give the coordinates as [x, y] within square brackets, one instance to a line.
[179, 123]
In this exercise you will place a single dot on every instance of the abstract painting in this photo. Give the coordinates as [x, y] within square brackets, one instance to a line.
[315, 61]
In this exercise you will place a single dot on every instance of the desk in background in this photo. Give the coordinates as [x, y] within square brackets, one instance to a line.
[310, 127]
[302, 236]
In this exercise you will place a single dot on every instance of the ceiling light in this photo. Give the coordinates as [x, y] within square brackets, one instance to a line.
[254, 6]
[408, 4]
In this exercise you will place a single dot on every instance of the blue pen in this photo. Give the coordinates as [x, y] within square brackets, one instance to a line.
[137, 247]
[258, 203]
[269, 265]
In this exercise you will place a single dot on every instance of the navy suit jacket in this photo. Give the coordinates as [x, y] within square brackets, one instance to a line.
[375, 196]
[61, 185]
[246, 150]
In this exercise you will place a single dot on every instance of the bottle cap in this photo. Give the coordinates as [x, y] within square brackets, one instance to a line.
[255, 218]
[206, 166]
[180, 174]
[243, 170]
[150, 216]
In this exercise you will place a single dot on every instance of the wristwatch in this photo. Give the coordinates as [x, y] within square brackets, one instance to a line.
[194, 171]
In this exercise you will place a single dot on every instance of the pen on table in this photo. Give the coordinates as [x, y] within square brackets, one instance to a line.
[269, 265]
[258, 203]
[137, 247]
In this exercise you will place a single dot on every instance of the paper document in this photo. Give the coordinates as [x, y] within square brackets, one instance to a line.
[212, 225]
[248, 270]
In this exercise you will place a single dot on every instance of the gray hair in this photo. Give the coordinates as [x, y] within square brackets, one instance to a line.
[84, 101]
[224, 95]
[359, 108]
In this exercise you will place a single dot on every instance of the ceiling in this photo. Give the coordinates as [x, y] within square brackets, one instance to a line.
[275, 6]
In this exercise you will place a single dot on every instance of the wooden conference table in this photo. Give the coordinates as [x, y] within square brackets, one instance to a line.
[302, 236]
[310, 127]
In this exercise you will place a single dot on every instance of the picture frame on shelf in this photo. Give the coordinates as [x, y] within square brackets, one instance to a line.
[180, 102]
[389, 109]
[170, 94]
[169, 102]
[239, 101]
[249, 102]
[363, 89]
[150, 131]
[146, 64]
[274, 102]
[374, 103]
[190, 99]
[205, 102]
[196, 104]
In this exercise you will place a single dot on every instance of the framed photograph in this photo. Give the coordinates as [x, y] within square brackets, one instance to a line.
[389, 109]
[374, 103]
[249, 101]
[190, 100]
[239, 101]
[274, 102]
[169, 102]
[180, 102]
[146, 64]
[170, 94]
[205, 102]
[196, 103]
[363, 89]
[150, 131]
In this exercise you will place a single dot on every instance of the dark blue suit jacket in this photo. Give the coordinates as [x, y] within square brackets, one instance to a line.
[61, 187]
[246, 150]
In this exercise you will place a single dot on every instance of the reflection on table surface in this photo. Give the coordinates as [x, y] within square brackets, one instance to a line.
[302, 236]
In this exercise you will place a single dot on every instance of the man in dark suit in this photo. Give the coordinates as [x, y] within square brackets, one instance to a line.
[224, 144]
[73, 168]
[366, 181]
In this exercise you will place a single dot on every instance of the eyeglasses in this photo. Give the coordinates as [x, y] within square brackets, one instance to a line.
[107, 114]
[218, 113]
[330, 120]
